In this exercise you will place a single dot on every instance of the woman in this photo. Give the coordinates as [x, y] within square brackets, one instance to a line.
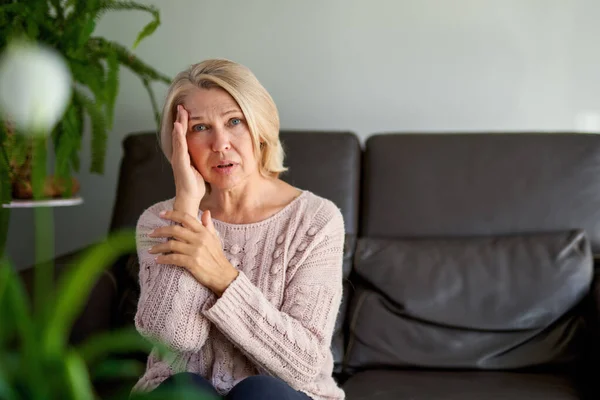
[240, 273]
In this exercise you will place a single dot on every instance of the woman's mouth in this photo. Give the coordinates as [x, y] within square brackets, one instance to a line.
[225, 168]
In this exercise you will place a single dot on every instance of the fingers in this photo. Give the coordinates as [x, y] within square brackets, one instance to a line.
[180, 125]
[172, 246]
[182, 117]
[174, 231]
[207, 222]
[183, 218]
[180, 260]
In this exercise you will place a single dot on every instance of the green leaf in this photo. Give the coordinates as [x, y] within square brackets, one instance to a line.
[32, 29]
[38, 166]
[118, 369]
[6, 391]
[5, 190]
[77, 283]
[108, 5]
[3, 279]
[67, 144]
[44, 228]
[18, 304]
[5, 317]
[15, 8]
[44, 261]
[100, 47]
[147, 31]
[90, 73]
[21, 148]
[6, 320]
[78, 377]
[75, 164]
[112, 87]
[85, 30]
[4, 221]
[99, 131]
[122, 341]
[18, 311]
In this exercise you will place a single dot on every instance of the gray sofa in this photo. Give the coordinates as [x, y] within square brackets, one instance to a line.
[469, 259]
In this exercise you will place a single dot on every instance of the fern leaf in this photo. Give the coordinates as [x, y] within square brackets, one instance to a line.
[108, 5]
[21, 147]
[75, 163]
[86, 31]
[101, 46]
[147, 31]
[99, 131]
[111, 87]
[91, 74]
[66, 145]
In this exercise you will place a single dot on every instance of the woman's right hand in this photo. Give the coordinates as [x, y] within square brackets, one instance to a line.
[189, 184]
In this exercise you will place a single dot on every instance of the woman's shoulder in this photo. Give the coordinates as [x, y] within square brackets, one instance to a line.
[320, 212]
[151, 216]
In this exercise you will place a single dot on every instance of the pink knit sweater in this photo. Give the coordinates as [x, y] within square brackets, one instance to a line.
[276, 318]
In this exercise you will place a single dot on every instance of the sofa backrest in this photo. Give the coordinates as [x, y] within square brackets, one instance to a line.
[145, 178]
[475, 250]
[428, 185]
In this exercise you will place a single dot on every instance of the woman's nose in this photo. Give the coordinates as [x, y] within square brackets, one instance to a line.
[220, 140]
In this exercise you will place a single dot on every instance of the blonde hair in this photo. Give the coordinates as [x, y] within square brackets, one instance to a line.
[253, 99]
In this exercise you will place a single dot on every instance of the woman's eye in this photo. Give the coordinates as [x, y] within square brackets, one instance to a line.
[199, 128]
[235, 121]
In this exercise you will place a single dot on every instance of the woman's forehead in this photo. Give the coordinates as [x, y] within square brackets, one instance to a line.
[209, 101]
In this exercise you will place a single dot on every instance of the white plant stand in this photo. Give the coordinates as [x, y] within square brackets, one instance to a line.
[72, 201]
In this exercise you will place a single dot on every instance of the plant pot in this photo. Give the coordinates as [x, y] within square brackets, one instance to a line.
[53, 188]
[21, 182]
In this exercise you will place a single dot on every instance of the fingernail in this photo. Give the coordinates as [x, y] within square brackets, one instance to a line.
[162, 214]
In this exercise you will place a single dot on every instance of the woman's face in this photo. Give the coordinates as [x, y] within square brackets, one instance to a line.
[218, 138]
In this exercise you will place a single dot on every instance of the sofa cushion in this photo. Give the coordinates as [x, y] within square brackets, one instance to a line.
[463, 385]
[484, 302]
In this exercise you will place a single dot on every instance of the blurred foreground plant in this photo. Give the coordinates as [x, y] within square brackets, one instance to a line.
[36, 359]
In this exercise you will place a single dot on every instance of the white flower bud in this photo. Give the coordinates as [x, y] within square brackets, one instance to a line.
[35, 87]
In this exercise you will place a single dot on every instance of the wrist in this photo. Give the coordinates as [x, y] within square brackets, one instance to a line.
[186, 204]
[227, 279]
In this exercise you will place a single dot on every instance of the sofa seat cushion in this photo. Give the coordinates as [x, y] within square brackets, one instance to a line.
[498, 302]
[459, 385]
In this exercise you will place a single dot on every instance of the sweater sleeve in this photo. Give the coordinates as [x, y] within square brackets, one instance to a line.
[171, 300]
[292, 343]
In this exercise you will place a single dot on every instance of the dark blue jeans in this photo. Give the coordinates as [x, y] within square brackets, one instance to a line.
[259, 387]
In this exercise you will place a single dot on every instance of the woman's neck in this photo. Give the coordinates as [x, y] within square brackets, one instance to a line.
[243, 203]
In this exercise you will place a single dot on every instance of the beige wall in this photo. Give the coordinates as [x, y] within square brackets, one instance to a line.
[366, 66]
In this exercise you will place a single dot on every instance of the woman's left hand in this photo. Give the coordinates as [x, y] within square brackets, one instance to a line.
[196, 247]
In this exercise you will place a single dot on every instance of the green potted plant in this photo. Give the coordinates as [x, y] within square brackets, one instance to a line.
[36, 359]
[67, 26]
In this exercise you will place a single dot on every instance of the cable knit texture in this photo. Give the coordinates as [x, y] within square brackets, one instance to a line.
[277, 318]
